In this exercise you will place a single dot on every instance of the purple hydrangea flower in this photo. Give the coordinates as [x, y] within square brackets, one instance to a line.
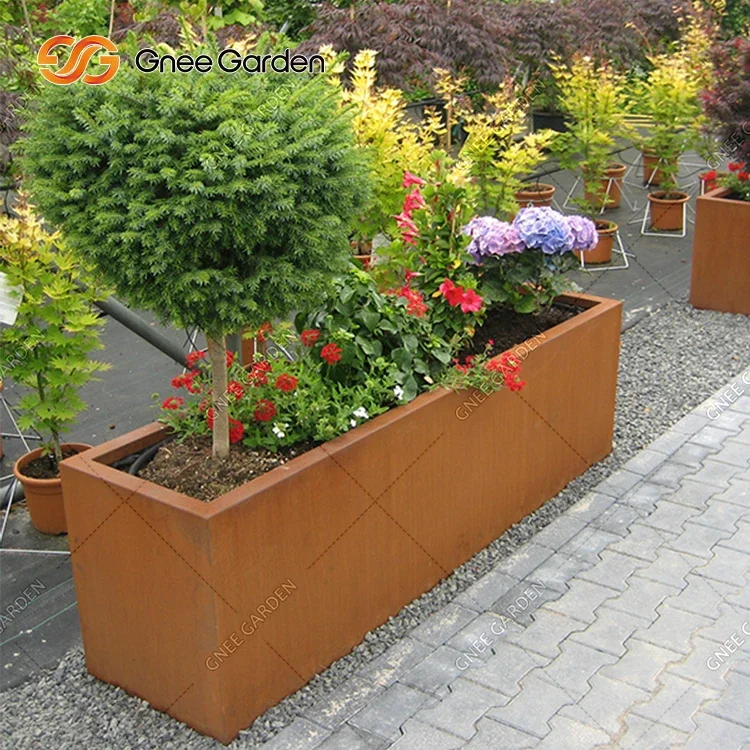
[585, 236]
[492, 237]
[544, 228]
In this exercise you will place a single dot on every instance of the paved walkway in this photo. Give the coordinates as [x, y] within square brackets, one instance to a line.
[625, 623]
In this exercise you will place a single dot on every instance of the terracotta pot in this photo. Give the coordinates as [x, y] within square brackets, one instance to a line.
[616, 173]
[602, 253]
[721, 261]
[44, 497]
[667, 213]
[652, 175]
[536, 194]
[215, 611]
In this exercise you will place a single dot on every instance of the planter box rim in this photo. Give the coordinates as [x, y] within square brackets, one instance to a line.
[720, 194]
[96, 460]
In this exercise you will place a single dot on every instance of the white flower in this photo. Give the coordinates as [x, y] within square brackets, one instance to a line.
[278, 431]
[353, 422]
[398, 392]
[361, 413]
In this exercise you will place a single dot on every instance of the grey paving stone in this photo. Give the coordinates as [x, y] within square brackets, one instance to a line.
[743, 436]
[476, 639]
[701, 596]
[604, 704]
[531, 710]
[642, 542]
[735, 454]
[712, 437]
[742, 405]
[737, 493]
[395, 662]
[443, 624]
[673, 628]
[434, 674]
[704, 666]
[645, 462]
[574, 668]
[505, 670]
[671, 474]
[740, 540]
[347, 738]
[610, 631]
[559, 531]
[524, 599]
[671, 567]
[569, 734]
[299, 735]
[459, 711]
[546, 633]
[587, 544]
[641, 665]
[669, 516]
[557, 571]
[691, 454]
[486, 591]
[727, 566]
[731, 420]
[669, 442]
[732, 628]
[698, 540]
[525, 561]
[675, 703]
[691, 424]
[591, 506]
[341, 704]
[722, 516]
[642, 597]
[644, 496]
[385, 715]
[617, 519]
[582, 600]
[716, 473]
[419, 736]
[642, 734]
[613, 570]
[713, 732]
[694, 494]
[618, 483]
[492, 735]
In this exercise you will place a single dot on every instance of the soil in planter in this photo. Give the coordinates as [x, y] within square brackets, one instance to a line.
[507, 328]
[43, 467]
[190, 468]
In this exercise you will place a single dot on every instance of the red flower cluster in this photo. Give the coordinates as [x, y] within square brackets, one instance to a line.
[508, 366]
[415, 301]
[286, 383]
[469, 300]
[193, 357]
[467, 364]
[741, 168]
[188, 381]
[413, 202]
[236, 430]
[331, 353]
[236, 389]
[230, 358]
[173, 403]
[263, 331]
[265, 411]
[258, 373]
[309, 337]
[412, 179]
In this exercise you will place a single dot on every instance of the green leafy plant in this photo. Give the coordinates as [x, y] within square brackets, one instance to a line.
[47, 348]
[81, 17]
[217, 201]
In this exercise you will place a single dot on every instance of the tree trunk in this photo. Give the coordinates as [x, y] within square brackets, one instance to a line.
[217, 354]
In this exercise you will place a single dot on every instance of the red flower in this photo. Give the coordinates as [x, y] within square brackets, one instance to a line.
[263, 331]
[406, 223]
[471, 301]
[210, 418]
[178, 381]
[230, 358]
[709, 176]
[236, 430]
[193, 357]
[286, 383]
[257, 376]
[172, 403]
[409, 275]
[331, 353]
[413, 201]
[203, 405]
[236, 389]
[411, 179]
[265, 411]
[508, 366]
[743, 175]
[452, 293]
[735, 166]
[309, 337]
[190, 383]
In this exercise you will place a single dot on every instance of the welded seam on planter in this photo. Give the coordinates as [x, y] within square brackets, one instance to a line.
[177, 699]
[125, 502]
[284, 660]
[375, 502]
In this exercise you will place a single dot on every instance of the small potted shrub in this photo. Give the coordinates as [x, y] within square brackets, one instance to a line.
[722, 221]
[46, 351]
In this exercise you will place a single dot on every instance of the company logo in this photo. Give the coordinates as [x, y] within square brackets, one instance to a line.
[80, 56]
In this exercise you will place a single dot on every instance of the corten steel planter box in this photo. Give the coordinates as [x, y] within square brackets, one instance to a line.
[721, 254]
[214, 612]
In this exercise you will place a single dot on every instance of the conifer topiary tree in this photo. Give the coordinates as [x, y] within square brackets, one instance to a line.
[216, 200]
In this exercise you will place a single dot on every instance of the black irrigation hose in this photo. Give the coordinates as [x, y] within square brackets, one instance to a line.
[145, 458]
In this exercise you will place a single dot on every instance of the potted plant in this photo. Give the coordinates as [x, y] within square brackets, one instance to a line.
[722, 218]
[46, 351]
[670, 95]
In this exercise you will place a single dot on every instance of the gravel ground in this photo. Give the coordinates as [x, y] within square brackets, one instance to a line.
[670, 362]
